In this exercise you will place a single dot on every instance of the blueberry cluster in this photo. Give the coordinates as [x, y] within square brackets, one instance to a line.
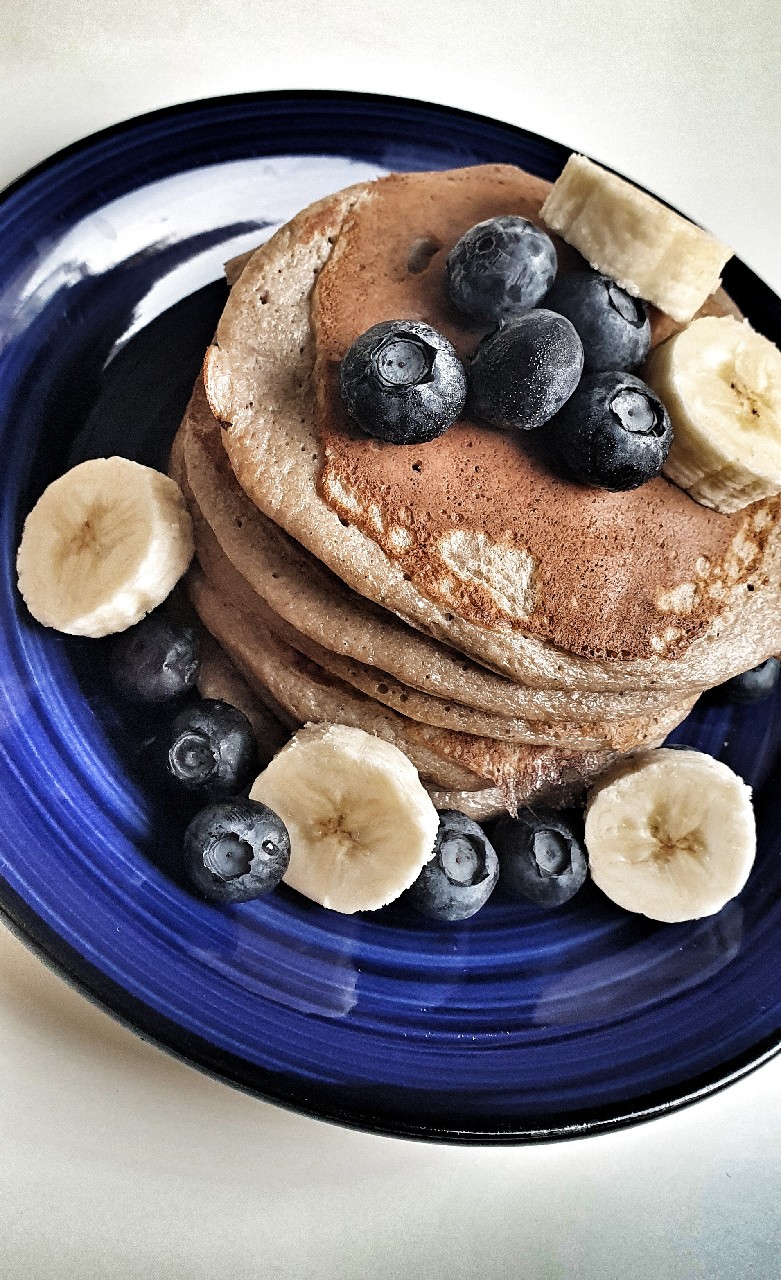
[560, 354]
[204, 751]
[537, 857]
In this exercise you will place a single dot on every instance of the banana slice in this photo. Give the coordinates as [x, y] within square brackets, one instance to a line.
[671, 834]
[104, 544]
[721, 384]
[361, 824]
[650, 251]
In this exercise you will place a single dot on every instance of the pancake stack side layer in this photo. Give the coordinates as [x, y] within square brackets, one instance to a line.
[511, 631]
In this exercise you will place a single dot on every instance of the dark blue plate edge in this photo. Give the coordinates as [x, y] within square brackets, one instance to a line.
[338, 1105]
[735, 266]
[268, 95]
[320, 1102]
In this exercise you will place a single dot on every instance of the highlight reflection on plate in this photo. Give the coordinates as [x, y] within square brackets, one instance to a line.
[516, 1025]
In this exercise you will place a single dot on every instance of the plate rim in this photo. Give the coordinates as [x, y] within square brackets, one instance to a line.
[174, 109]
[112, 998]
[199, 1054]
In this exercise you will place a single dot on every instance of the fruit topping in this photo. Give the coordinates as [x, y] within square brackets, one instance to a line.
[500, 268]
[541, 859]
[156, 660]
[721, 382]
[670, 834]
[612, 325]
[750, 686]
[613, 433]
[402, 381]
[208, 749]
[460, 877]
[104, 544]
[645, 247]
[361, 823]
[236, 850]
[523, 372]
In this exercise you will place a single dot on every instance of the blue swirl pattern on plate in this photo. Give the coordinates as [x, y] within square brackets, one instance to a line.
[515, 1025]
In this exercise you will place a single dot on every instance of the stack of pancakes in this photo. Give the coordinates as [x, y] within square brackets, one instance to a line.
[509, 630]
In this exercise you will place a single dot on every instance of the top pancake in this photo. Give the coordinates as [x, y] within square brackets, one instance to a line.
[470, 539]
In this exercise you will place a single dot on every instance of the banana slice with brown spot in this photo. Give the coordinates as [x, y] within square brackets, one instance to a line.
[671, 834]
[360, 821]
[104, 544]
[720, 381]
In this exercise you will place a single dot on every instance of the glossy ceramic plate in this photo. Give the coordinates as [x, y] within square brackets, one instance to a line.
[515, 1025]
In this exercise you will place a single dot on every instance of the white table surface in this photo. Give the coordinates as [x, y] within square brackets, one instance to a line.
[116, 1160]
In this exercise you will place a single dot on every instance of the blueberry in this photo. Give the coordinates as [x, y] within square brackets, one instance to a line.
[523, 372]
[236, 850]
[402, 381]
[541, 859]
[752, 685]
[462, 872]
[208, 750]
[500, 268]
[613, 326]
[156, 660]
[614, 432]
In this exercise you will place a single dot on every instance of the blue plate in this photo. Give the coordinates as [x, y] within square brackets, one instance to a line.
[515, 1025]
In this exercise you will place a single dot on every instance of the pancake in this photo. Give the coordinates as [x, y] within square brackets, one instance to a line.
[621, 735]
[480, 806]
[547, 582]
[218, 678]
[310, 598]
[452, 761]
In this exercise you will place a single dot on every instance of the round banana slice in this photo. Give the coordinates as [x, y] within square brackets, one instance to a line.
[645, 247]
[360, 822]
[104, 544]
[670, 834]
[720, 381]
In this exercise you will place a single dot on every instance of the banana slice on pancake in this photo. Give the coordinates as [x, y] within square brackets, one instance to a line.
[648, 249]
[104, 544]
[671, 834]
[360, 821]
[721, 383]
